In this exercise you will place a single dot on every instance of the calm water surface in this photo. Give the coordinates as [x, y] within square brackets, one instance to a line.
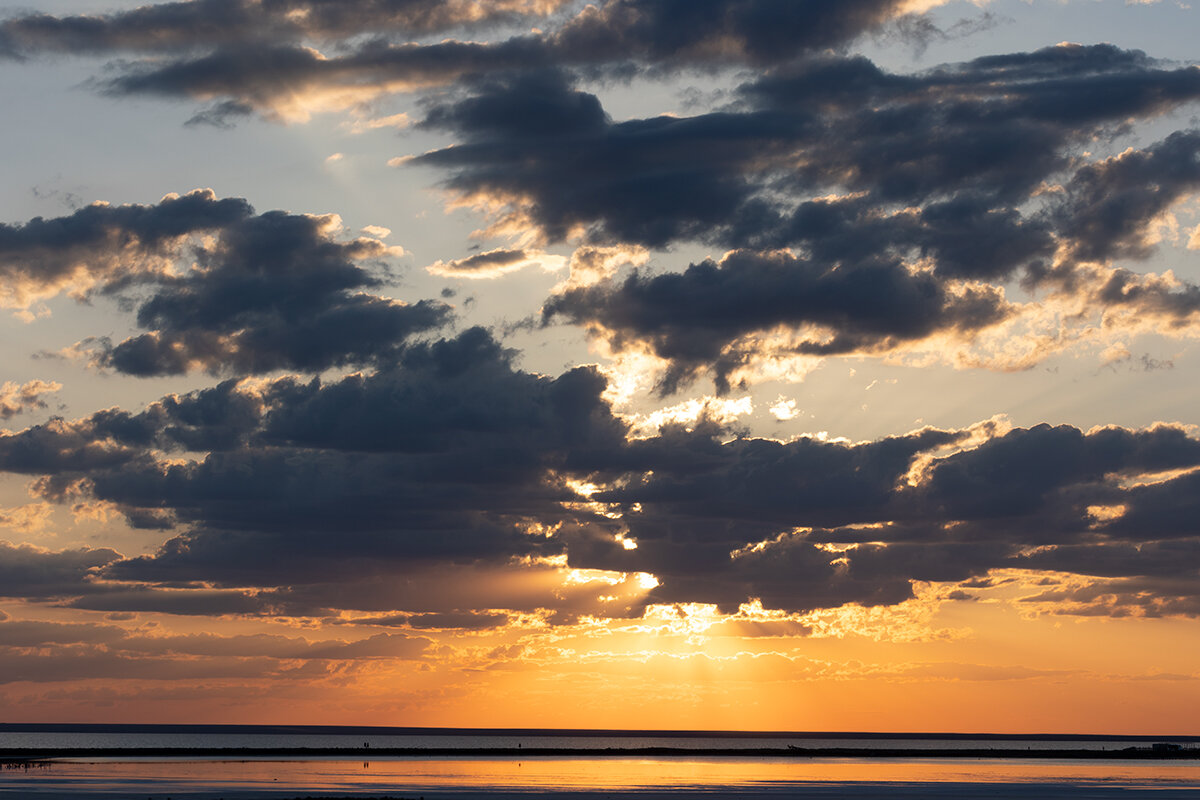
[587, 778]
[480, 776]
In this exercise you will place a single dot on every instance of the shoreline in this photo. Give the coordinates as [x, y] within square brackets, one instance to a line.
[16, 758]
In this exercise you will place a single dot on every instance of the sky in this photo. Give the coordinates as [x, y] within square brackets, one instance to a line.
[810, 365]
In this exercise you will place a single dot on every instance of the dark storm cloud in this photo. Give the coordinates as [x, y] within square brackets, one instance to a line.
[696, 318]
[170, 27]
[803, 482]
[270, 291]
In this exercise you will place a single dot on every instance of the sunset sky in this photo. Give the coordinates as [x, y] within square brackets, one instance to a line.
[698, 364]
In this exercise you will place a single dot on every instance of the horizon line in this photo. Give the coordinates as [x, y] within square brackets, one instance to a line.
[134, 727]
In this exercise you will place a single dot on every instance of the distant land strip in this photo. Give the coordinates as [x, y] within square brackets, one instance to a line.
[667, 733]
[17, 757]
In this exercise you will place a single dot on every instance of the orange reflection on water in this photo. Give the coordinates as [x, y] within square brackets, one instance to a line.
[163, 776]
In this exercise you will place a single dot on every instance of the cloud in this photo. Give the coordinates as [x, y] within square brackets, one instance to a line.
[1026, 470]
[669, 33]
[453, 488]
[174, 26]
[714, 523]
[966, 143]
[494, 264]
[18, 398]
[542, 588]
[252, 56]
[711, 314]
[29, 633]
[274, 293]
[80, 665]
[448, 620]
[32, 572]
[949, 185]
[101, 246]
[26, 519]
[365, 495]
[383, 645]
[187, 601]
[262, 292]
[952, 183]
[58, 446]
[1121, 303]
[449, 456]
[1153, 597]
[38, 651]
[1112, 203]
[304, 497]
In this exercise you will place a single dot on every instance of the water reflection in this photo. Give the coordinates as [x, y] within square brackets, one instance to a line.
[537, 775]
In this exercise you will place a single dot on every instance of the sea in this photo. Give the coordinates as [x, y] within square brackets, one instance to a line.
[199, 762]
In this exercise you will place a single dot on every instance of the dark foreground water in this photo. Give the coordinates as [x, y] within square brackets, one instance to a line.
[470, 772]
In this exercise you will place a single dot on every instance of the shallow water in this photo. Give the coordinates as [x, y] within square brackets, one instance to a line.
[602, 777]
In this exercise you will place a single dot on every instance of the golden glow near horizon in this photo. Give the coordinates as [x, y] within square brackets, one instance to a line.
[1002, 663]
